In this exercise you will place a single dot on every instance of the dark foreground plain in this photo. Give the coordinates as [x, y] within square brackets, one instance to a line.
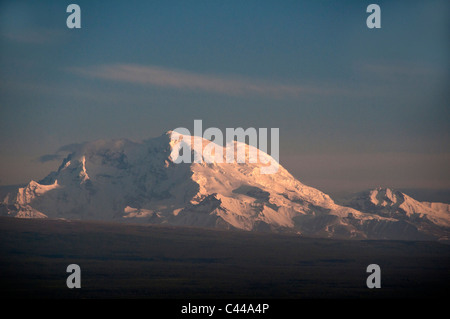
[163, 262]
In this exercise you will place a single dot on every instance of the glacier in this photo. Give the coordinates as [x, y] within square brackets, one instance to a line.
[138, 182]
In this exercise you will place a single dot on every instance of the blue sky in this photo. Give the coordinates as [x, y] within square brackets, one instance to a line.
[356, 107]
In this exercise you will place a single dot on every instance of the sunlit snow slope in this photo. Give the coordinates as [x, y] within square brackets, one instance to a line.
[127, 181]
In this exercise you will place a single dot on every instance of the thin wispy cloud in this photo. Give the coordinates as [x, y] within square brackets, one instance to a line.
[58, 156]
[401, 79]
[49, 158]
[155, 76]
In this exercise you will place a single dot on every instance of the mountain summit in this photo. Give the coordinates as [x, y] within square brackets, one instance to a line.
[430, 218]
[125, 181]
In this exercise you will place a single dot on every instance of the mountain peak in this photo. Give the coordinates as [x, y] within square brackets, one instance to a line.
[386, 197]
[431, 218]
[129, 181]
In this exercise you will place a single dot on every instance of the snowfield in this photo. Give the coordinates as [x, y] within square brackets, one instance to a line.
[121, 180]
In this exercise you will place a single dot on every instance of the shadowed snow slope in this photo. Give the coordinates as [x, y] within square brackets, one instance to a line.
[139, 182]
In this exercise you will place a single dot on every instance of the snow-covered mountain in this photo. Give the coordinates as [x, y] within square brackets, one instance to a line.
[126, 181]
[430, 218]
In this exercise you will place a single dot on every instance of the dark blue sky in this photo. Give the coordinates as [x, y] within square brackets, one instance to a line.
[356, 107]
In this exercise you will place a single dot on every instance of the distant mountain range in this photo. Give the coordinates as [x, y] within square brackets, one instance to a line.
[121, 180]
